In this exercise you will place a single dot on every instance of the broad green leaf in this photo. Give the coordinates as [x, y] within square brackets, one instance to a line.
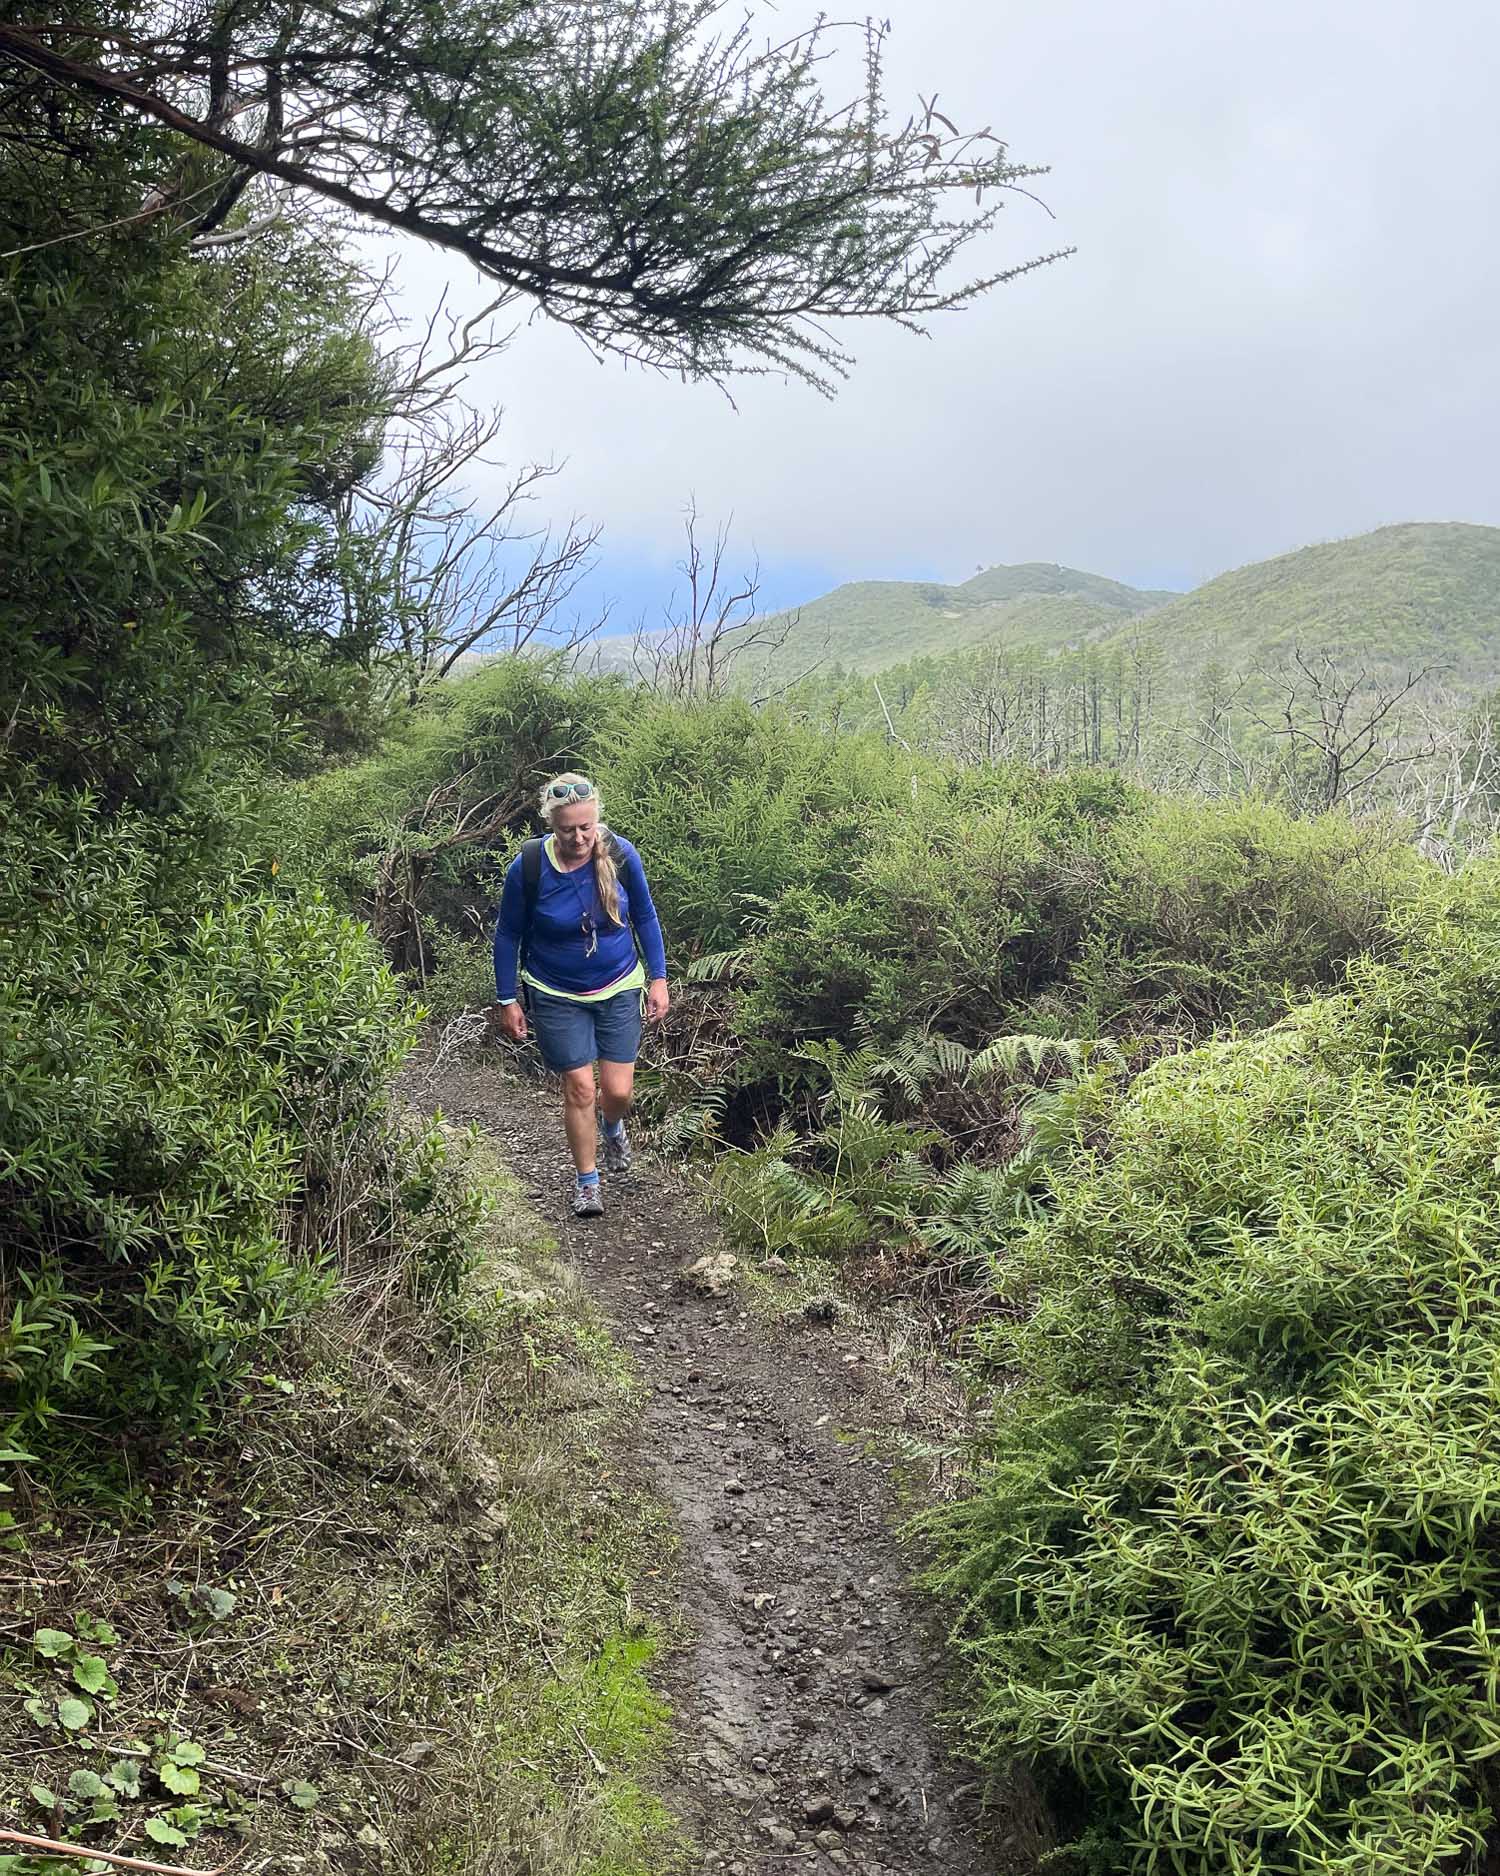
[125, 1776]
[301, 1794]
[188, 1818]
[92, 1674]
[52, 1643]
[160, 1831]
[182, 1779]
[85, 1784]
[75, 1712]
[187, 1752]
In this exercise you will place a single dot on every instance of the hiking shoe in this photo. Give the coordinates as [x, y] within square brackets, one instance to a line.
[588, 1201]
[617, 1152]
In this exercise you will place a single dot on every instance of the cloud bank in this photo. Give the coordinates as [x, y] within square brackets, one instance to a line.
[1279, 325]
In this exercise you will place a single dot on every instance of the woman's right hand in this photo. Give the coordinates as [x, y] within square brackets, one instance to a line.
[513, 1021]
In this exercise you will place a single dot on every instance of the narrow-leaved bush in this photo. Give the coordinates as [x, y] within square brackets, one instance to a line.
[1231, 1560]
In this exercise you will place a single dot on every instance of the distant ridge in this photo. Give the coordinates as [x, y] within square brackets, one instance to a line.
[869, 624]
[1420, 593]
[1415, 595]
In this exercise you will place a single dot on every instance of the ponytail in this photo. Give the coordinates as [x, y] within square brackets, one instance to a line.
[606, 878]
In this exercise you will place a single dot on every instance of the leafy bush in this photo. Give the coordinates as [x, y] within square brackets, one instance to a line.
[1231, 1556]
[178, 433]
[440, 810]
[194, 1101]
[733, 807]
[1200, 913]
[460, 977]
[1035, 913]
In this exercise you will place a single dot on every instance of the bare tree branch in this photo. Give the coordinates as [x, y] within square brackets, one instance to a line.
[714, 630]
[1338, 727]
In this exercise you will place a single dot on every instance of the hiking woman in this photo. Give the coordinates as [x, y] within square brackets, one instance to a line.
[571, 938]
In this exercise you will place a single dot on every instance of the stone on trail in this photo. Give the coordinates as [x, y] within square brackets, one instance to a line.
[711, 1274]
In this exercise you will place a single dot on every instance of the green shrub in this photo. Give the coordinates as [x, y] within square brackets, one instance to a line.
[954, 918]
[461, 977]
[195, 1123]
[179, 434]
[1201, 913]
[1231, 1558]
[481, 742]
[733, 807]
[1036, 913]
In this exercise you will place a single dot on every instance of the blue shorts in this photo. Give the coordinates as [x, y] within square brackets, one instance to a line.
[574, 1035]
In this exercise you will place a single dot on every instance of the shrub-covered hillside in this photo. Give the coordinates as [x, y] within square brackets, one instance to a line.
[1421, 593]
[1359, 673]
[868, 625]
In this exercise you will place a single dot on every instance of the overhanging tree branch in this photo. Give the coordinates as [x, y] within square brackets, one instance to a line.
[684, 198]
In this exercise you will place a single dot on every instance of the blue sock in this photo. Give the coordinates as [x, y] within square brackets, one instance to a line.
[588, 1179]
[614, 1128]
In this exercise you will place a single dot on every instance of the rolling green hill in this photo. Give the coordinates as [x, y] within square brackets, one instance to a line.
[1418, 594]
[870, 624]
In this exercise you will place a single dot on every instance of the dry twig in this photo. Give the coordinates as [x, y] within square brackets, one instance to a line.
[54, 1847]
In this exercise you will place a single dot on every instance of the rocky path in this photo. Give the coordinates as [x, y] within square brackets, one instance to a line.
[806, 1691]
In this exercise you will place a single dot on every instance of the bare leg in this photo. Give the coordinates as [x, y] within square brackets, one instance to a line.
[616, 1080]
[578, 1116]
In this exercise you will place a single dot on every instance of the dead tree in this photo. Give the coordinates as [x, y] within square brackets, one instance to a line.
[1340, 730]
[1453, 798]
[461, 575]
[713, 627]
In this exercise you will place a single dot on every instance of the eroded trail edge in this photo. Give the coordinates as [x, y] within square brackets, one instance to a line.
[808, 1679]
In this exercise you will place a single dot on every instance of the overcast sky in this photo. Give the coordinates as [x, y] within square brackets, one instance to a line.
[1282, 323]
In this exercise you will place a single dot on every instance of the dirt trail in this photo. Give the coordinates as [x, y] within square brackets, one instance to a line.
[806, 1694]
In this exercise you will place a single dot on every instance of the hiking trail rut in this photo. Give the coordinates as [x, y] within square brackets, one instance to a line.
[806, 1687]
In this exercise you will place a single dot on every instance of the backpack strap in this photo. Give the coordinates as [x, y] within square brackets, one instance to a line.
[531, 885]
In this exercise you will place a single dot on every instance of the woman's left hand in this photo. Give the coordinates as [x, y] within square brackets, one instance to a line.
[657, 1000]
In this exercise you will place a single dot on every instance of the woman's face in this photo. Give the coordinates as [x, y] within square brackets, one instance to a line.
[575, 828]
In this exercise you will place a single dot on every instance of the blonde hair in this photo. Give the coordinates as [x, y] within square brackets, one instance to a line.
[606, 879]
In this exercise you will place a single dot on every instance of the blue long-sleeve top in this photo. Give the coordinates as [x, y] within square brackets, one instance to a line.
[556, 950]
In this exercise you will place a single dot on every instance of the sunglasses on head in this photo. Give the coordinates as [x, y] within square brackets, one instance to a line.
[570, 791]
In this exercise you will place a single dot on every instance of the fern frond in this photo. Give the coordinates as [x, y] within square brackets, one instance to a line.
[950, 1057]
[1008, 1055]
[695, 1124]
[718, 967]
